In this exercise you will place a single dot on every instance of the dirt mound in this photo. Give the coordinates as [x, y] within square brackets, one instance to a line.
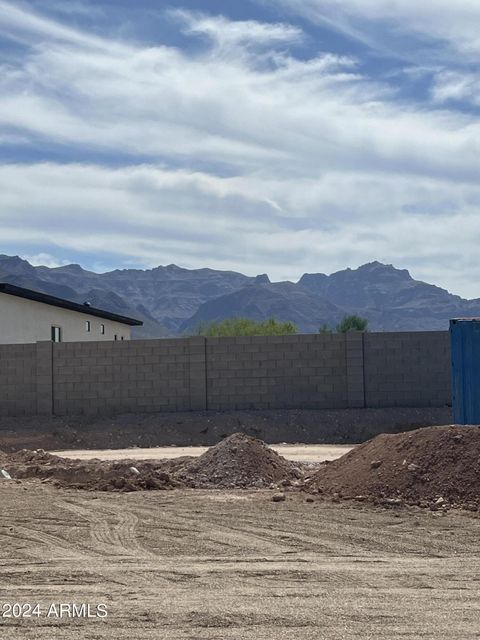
[38, 456]
[93, 474]
[434, 466]
[239, 461]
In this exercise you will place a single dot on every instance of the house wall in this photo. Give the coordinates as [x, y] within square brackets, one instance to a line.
[319, 371]
[26, 321]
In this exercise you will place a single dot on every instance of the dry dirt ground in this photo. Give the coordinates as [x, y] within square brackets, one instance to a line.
[294, 452]
[204, 428]
[194, 564]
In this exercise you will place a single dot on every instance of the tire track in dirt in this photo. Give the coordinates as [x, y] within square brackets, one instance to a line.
[268, 538]
[328, 530]
[118, 538]
[177, 529]
[51, 541]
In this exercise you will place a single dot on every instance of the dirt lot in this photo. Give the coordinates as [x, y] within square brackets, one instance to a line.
[297, 453]
[193, 564]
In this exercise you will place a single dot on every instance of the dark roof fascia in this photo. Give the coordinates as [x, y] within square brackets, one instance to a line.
[29, 294]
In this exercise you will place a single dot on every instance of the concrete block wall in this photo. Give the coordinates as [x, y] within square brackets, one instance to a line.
[18, 379]
[287, 372]
[121, 377]
[354, 354]
[305, 371]
[407, 369]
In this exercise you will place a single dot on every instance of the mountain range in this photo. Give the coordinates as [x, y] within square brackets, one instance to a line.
[173, 301]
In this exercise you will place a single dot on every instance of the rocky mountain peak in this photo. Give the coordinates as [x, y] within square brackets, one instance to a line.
[15, 265]
[70, 268]
[376, 268]
[261, 279]
[171, 299]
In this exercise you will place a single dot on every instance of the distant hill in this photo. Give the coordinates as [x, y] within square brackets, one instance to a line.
[173, 301]
[259, 301]
[163, 297]
[390, 298]
[21, 273]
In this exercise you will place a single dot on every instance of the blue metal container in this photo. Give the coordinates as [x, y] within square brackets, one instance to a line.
[465, 345]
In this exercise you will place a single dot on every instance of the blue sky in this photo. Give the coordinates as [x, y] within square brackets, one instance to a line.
[278, 136]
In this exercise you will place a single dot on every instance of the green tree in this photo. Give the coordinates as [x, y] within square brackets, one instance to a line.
[325, 329]
[245, 327]
[352, 323]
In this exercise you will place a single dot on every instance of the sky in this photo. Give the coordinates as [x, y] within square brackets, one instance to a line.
[262, 136]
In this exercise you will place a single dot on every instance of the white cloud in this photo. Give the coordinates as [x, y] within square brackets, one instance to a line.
[226, 33]
[26, 26]
[72, 7]
[456, 86]
[158, 102]
[45, 260]
[7, 138]
[291, 166]
[152, 215]
[453, 22]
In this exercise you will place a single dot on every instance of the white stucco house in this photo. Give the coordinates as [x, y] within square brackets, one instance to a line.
[30, 316]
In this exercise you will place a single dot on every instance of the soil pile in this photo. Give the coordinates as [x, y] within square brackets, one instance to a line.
[434, 466]
[93, 474]
[239, 461]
